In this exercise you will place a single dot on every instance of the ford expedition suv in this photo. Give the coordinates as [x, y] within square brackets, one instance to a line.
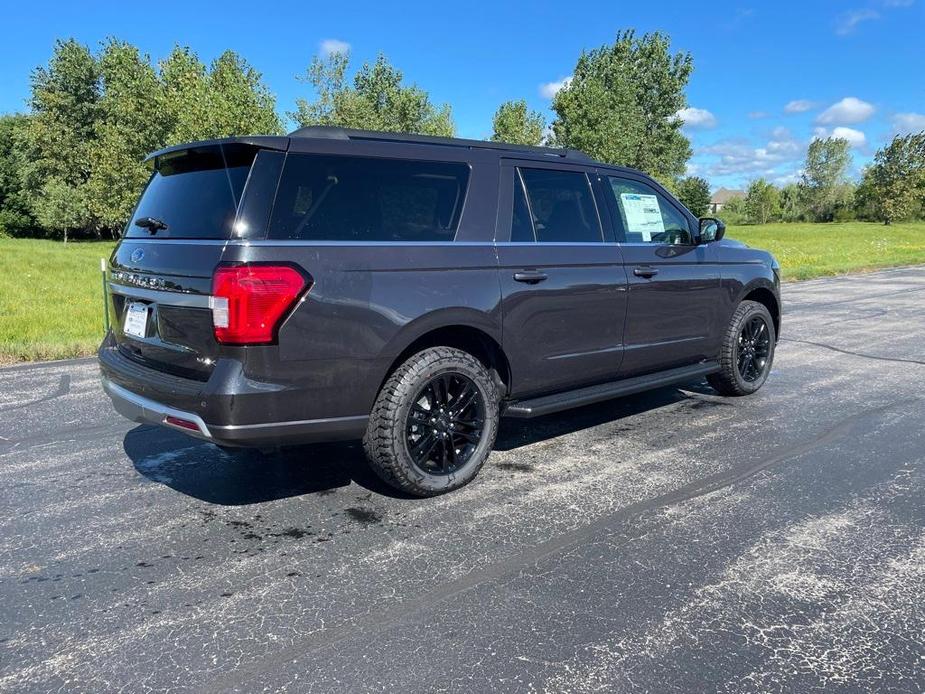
[409, 291]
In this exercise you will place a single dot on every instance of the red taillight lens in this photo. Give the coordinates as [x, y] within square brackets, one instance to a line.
[248, 301]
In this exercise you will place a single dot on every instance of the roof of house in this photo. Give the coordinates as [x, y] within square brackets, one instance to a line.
[724, 195]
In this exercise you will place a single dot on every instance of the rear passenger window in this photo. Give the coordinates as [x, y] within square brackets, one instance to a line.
[647, 216]
[561, 206]
[331, 198]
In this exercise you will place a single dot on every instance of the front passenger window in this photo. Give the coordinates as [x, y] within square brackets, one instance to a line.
[647, 216]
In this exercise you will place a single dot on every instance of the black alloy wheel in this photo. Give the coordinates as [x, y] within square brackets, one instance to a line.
[445, 424]
[754, 348]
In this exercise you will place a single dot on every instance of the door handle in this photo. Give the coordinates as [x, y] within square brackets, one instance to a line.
[530, 276]
[645, 271]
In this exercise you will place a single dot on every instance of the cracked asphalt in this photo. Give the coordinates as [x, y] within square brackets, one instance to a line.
[671, 541]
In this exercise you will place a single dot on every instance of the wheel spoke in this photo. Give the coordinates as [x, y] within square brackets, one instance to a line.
[423, 448]
[465, 399]
[469, 436]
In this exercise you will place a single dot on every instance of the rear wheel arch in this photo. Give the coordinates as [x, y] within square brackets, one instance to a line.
[467, 338]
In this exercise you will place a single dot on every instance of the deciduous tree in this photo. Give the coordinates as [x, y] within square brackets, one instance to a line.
[15, 215]
[376, 99]
[131, 124]
[515, 123]
[762, 202]
[694, 192]
[821, 186]
[59, 138]
[897, 178]
[621, 105]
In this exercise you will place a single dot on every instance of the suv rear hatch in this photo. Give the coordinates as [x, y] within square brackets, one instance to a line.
[160, 275]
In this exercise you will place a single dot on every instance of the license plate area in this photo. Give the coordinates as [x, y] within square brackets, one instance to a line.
[136, 319]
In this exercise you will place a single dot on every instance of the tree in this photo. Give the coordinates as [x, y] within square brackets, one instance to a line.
[513, 122]
[694, 192]
[131, 124]
[186, 103]
[827, 162]
[15, 215]
[897, 178]
[621, 105]
[376, 100]
[238, 103]
[59, 138]
[791, 203]
[762, 202]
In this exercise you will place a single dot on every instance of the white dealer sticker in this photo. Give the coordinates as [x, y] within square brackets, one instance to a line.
[643, 215]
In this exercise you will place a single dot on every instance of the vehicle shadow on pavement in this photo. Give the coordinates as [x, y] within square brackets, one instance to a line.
[245, 476]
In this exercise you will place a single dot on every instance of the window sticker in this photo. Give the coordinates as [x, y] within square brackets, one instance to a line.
[643, 215]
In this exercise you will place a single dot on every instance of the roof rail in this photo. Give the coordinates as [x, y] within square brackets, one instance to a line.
[335, 133]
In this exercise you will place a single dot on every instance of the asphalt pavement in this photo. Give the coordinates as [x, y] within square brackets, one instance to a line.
[670, 541]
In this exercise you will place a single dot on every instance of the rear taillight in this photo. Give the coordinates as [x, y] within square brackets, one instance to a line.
[249, 301]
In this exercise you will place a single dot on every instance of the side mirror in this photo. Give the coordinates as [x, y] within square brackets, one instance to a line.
[711, 229]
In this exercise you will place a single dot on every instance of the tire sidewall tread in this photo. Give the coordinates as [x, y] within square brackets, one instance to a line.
[385, 441]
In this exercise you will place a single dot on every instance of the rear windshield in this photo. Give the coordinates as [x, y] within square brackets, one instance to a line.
[337, 198]
[193, 194]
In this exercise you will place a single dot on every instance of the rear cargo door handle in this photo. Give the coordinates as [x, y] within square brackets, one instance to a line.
[530, 276]
[645, 271]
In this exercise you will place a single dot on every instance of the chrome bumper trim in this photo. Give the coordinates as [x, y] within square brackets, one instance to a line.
[141, 409]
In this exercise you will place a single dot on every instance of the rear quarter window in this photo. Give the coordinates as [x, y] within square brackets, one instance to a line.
[338, 198]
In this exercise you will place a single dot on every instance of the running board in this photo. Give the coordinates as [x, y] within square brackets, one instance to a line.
[536, 407]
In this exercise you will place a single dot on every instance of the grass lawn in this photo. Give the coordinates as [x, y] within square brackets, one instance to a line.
[805, 251]
[51, 308]
[51, 304]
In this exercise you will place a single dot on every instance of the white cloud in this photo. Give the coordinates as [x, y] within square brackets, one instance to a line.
[856, 138]
[799, 106]
[739, 157]
[549, 89]
[758, 115]
[697, 117]
[330, 47]
[849, 21]
[848, 111]
[905, 123]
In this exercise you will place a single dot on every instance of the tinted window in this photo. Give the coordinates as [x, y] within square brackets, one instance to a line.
[521, 226]
[647, 216]
[561, 206]
[194, 192]
[333, 198]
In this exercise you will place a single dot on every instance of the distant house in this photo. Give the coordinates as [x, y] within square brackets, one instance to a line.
[722, 196]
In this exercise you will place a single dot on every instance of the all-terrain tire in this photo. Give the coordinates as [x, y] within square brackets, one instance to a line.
[729, 379]
[386, 440]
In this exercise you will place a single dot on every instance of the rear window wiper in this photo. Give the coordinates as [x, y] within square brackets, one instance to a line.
[152, 224]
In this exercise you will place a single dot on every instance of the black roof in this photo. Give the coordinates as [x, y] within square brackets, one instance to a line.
[333, 133]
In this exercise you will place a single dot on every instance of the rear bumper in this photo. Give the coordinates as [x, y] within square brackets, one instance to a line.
[196, 410]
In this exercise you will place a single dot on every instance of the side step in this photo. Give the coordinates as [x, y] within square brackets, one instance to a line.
[546, 404]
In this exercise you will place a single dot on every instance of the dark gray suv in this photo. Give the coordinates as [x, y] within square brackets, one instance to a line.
[409, 290]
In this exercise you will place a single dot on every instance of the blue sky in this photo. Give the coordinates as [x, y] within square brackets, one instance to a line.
[768, 76]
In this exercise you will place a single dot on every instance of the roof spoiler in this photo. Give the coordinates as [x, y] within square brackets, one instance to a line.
[276, 142]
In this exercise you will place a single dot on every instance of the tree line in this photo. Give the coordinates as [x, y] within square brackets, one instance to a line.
[73, 163]
[891, 189]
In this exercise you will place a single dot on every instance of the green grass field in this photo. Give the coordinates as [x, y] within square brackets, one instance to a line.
[51, 308]
[51, 304]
